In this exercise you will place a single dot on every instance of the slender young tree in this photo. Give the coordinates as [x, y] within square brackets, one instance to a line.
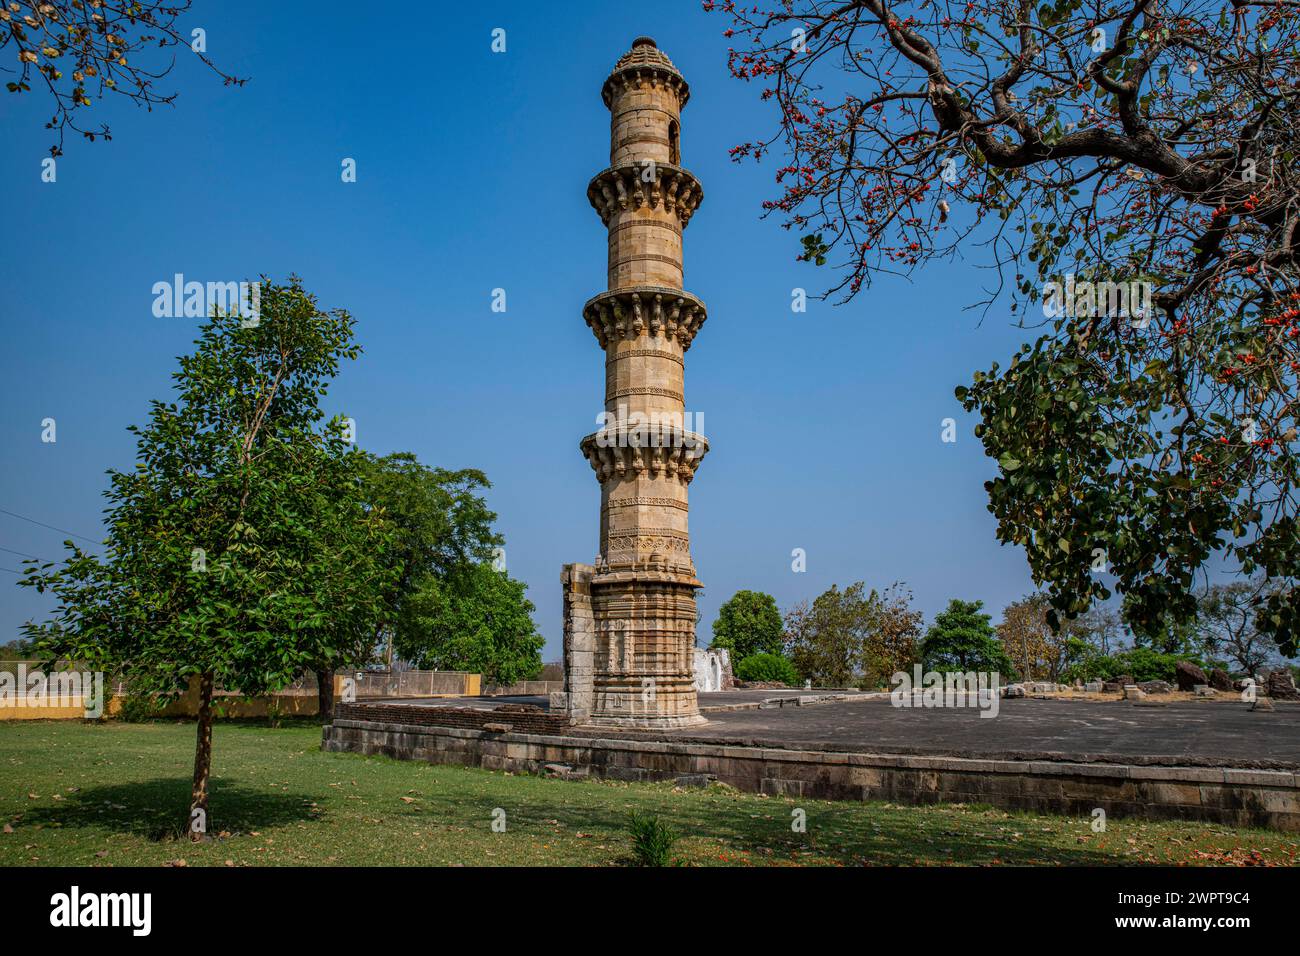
[1039, 651]
[239, 552]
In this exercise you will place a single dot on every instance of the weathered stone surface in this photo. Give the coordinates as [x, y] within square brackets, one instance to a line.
[694, 779]
[713, 670]
[1094, 686]
[1133, 692]
[1189, 675]
[640, 611]
[1220, 680]
[579, 641]
[1014, 690]
[1239, 797]
[1281, 686]
[1205, 690]
[1156, 687]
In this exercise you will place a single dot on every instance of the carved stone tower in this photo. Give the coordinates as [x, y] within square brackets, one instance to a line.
[640, 632]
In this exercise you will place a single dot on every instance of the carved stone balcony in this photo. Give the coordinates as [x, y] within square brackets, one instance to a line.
[622, 188]
[612, 457]
[645, 310]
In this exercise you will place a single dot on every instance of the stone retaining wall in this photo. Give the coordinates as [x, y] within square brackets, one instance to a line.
[1237, 797]
[519, 718]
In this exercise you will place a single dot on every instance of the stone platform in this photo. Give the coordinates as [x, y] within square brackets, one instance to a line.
[1214, 761]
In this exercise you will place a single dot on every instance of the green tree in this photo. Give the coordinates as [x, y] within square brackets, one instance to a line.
[848, 638]
[1167, 633]
[239, 552]
[16, 650]
[447, 607]
[474, 619]
[961, 639]
[749, 623]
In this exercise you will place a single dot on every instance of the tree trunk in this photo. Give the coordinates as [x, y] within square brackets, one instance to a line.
[198, 822]
[325, 693]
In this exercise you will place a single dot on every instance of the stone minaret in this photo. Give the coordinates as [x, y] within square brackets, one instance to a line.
[640, 631]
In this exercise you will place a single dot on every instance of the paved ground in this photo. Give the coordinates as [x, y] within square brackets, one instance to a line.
[708, 702]
[1217, 733]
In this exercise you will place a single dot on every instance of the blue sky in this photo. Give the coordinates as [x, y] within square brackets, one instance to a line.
[471, 175]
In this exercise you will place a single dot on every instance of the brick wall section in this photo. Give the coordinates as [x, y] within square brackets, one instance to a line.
[521, 718]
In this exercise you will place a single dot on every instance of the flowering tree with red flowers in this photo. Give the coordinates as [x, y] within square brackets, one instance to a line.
[1128, 173]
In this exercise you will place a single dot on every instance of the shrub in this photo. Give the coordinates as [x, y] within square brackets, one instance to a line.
[1141, 663]
[767, 667]
[652, 840]
[137, 708]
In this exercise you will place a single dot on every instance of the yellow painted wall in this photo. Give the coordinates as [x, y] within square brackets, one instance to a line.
[283, 704]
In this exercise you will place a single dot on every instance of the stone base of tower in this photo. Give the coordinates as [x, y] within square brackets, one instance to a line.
[629, 648]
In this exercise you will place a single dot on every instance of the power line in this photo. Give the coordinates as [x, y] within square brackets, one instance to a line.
[14, 514]
[12, 571]
[21, 554]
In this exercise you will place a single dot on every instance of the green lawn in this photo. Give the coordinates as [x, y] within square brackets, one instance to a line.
[116, 794]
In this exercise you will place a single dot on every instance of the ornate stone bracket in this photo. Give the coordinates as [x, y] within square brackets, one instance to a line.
[648, 310]
[610, 459]
[624, 187]
[638, 75]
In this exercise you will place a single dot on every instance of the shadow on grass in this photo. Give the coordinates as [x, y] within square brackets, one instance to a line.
[259, 723]
[158, 809]
[874, 834]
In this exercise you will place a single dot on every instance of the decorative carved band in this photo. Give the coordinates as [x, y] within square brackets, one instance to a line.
[650, 542]
[644, 353]
[652, 502]
[653, 310]
[613, 393]
[619, 534]
[670, 460]
[622, 187]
